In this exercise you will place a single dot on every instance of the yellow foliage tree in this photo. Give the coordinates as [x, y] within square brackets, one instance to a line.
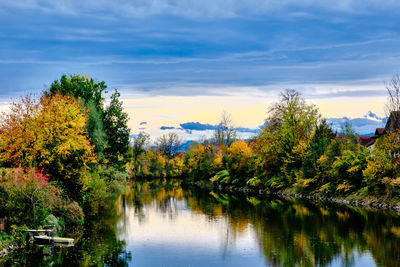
[239, 159]
[48, 134]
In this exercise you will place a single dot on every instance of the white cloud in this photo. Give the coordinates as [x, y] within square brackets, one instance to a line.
[199, 9]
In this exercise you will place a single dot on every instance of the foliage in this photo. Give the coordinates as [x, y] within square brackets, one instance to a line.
[50, 145]
[239, 157]
[222, 177]
[282, 145]
[31, 198]
[49, 135]
[95, 128]
[204, 162]
[384, 161]
[319, 142]
[90, 93]
[100, 188]
[116, 128]
[80, 86]
[296, 149]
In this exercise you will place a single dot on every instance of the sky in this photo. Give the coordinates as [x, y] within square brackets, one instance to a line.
[181, 61]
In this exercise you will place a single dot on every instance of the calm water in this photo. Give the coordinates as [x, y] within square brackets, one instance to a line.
[168, 225]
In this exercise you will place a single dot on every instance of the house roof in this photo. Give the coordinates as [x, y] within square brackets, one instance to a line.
[379, 131]
[364, 140]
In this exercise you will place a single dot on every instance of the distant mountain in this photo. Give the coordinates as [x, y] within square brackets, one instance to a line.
[363, 126]
[185, 145]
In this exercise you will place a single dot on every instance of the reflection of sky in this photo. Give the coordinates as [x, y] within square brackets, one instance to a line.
[179, 237]
[170, 234]
[359, 260]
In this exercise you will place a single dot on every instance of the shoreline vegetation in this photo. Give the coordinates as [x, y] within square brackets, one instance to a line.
[355, 200]
[65, 157]
[62, 159]
[296, 153]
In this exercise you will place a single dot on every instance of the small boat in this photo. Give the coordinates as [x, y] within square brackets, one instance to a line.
[55, 239]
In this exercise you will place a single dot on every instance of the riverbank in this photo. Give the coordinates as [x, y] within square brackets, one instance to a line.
[8, 250]
[354, 199]
[255, 229]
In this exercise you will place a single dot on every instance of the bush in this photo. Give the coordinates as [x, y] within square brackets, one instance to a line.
[100, 187]
[31, 198]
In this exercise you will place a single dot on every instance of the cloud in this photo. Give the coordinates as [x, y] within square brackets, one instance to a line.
[198, 9]
[363, 126]
[197, 126]
[161, 51]
[371, 115]
[167, 128]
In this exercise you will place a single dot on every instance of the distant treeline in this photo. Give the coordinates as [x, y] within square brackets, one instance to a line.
[297, 150]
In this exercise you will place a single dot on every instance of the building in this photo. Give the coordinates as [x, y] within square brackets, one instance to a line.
[392, 124]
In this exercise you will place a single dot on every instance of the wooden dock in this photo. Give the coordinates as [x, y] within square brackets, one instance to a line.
[48, 233]
[48, 236]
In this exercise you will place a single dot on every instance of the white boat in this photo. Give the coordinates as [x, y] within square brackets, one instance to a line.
[55, 239]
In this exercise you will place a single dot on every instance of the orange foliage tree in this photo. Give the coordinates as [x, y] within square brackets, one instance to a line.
[47, 133]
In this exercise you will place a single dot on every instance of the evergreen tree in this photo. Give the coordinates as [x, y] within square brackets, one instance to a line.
[115, 125]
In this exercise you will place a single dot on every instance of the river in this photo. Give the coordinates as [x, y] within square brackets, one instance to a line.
[167, 224]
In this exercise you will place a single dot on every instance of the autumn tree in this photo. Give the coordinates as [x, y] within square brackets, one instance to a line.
[106, 126]
[18, 137]
[49, 134]
[91, 94]
[385, 159]
[283, 143]
[117, 131]
[239, 156]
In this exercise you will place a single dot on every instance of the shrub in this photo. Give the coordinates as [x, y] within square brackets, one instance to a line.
[100, 187]
[31, 198]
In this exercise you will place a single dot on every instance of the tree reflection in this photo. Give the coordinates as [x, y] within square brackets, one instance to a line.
[97, 246]
[289, 232]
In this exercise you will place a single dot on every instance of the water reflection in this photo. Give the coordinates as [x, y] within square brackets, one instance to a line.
[97, 245]
[199, 227]
[166, 224]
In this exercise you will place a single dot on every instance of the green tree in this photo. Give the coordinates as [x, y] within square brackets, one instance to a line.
[282, 145]
[316, 148]
[95, 129]
[116, 127]
[80, 86]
